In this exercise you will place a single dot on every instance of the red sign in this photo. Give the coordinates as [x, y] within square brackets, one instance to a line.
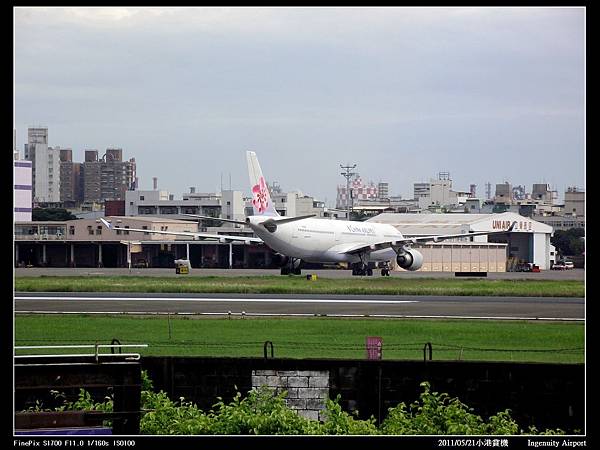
[374, 347]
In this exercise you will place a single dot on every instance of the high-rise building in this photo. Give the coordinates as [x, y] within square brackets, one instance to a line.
[22, 200]
[15, 151]
[383, 190]
[504, 194]
[70, 178]
[421, 190]
[543, 193]
[574, 202]
[45, 163]
[91, 176]
[107, 178]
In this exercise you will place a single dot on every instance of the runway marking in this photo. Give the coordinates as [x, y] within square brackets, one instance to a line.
[217, 300]
[244, 313]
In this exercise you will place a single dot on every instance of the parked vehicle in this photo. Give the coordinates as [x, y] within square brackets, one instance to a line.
[527, 267]
[569, 265]
[140, 264]
[558, 266]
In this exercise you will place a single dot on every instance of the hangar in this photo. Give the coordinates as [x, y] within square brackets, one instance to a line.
[529, 241]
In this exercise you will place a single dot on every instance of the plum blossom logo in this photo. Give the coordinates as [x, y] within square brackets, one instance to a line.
[260, 196]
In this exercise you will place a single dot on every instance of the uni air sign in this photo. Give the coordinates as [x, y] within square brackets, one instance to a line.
[504, 224]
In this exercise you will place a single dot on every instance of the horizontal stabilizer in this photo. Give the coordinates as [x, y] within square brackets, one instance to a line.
[288, 219]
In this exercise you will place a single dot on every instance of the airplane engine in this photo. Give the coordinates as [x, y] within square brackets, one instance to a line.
[284, 261]
[410, 259]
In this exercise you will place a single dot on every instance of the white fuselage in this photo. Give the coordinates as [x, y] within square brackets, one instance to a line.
[322, 240]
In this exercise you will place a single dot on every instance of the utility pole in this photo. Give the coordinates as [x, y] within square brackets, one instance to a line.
[348, 174]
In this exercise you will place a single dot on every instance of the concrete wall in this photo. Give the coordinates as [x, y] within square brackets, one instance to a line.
[306, 390]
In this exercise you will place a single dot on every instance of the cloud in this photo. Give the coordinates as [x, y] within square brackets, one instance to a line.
[321, 81]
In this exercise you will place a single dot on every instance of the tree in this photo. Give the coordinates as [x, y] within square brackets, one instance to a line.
[569, 242]
[46, 214]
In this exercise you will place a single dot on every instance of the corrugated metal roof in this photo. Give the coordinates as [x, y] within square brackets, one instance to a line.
[425, 224]
[445, 220]
[151, 219]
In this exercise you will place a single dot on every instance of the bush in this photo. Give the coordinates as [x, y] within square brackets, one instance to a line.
[441, 415]
[263, 412]
[340, 422]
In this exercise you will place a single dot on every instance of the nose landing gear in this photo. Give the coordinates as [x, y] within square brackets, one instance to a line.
[292, 267]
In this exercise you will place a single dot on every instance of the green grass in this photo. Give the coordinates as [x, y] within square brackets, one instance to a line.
[298, 285]
[314, 337]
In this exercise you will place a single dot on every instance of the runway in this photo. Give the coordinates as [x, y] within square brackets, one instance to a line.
[458, 307]
[575, 274]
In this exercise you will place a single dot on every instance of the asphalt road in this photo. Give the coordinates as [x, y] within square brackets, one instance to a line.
[574, 274]
[542, 308]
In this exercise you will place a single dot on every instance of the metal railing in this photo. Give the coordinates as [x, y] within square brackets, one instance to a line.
[96, 353]
[40, 237]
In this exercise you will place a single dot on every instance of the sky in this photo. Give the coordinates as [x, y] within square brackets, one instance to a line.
[486, 94]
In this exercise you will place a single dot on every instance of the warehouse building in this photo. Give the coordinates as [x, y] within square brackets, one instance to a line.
[528, 242]
[88, 243]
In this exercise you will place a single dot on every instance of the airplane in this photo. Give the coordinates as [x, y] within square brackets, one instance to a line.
[305, 238]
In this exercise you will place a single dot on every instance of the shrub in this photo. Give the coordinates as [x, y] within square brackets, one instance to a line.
[263, 412]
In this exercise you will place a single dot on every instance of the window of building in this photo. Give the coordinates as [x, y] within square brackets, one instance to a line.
[141, 197]
[118, 231]
[145, 228]
[126, 232]
[229, 203]
[90, 230]
[99, 229]
[71, 230]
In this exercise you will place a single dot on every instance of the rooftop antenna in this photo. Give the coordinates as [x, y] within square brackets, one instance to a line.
[348, 174]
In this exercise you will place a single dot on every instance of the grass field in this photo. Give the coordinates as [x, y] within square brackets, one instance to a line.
[299, 285]
[314, 337]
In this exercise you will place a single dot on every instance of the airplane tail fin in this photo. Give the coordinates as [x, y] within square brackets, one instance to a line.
[261, 199]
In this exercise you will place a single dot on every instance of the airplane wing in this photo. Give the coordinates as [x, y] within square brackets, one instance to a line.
[219, 237]
[368, 248]
[239, 222]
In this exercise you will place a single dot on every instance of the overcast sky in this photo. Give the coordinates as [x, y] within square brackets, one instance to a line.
[487, 94]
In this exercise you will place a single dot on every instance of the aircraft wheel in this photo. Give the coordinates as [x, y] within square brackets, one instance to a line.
[369, 272]
[383, 274]
[297, 271]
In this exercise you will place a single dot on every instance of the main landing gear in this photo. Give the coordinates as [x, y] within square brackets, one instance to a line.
[292, 267]
[361, 269]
